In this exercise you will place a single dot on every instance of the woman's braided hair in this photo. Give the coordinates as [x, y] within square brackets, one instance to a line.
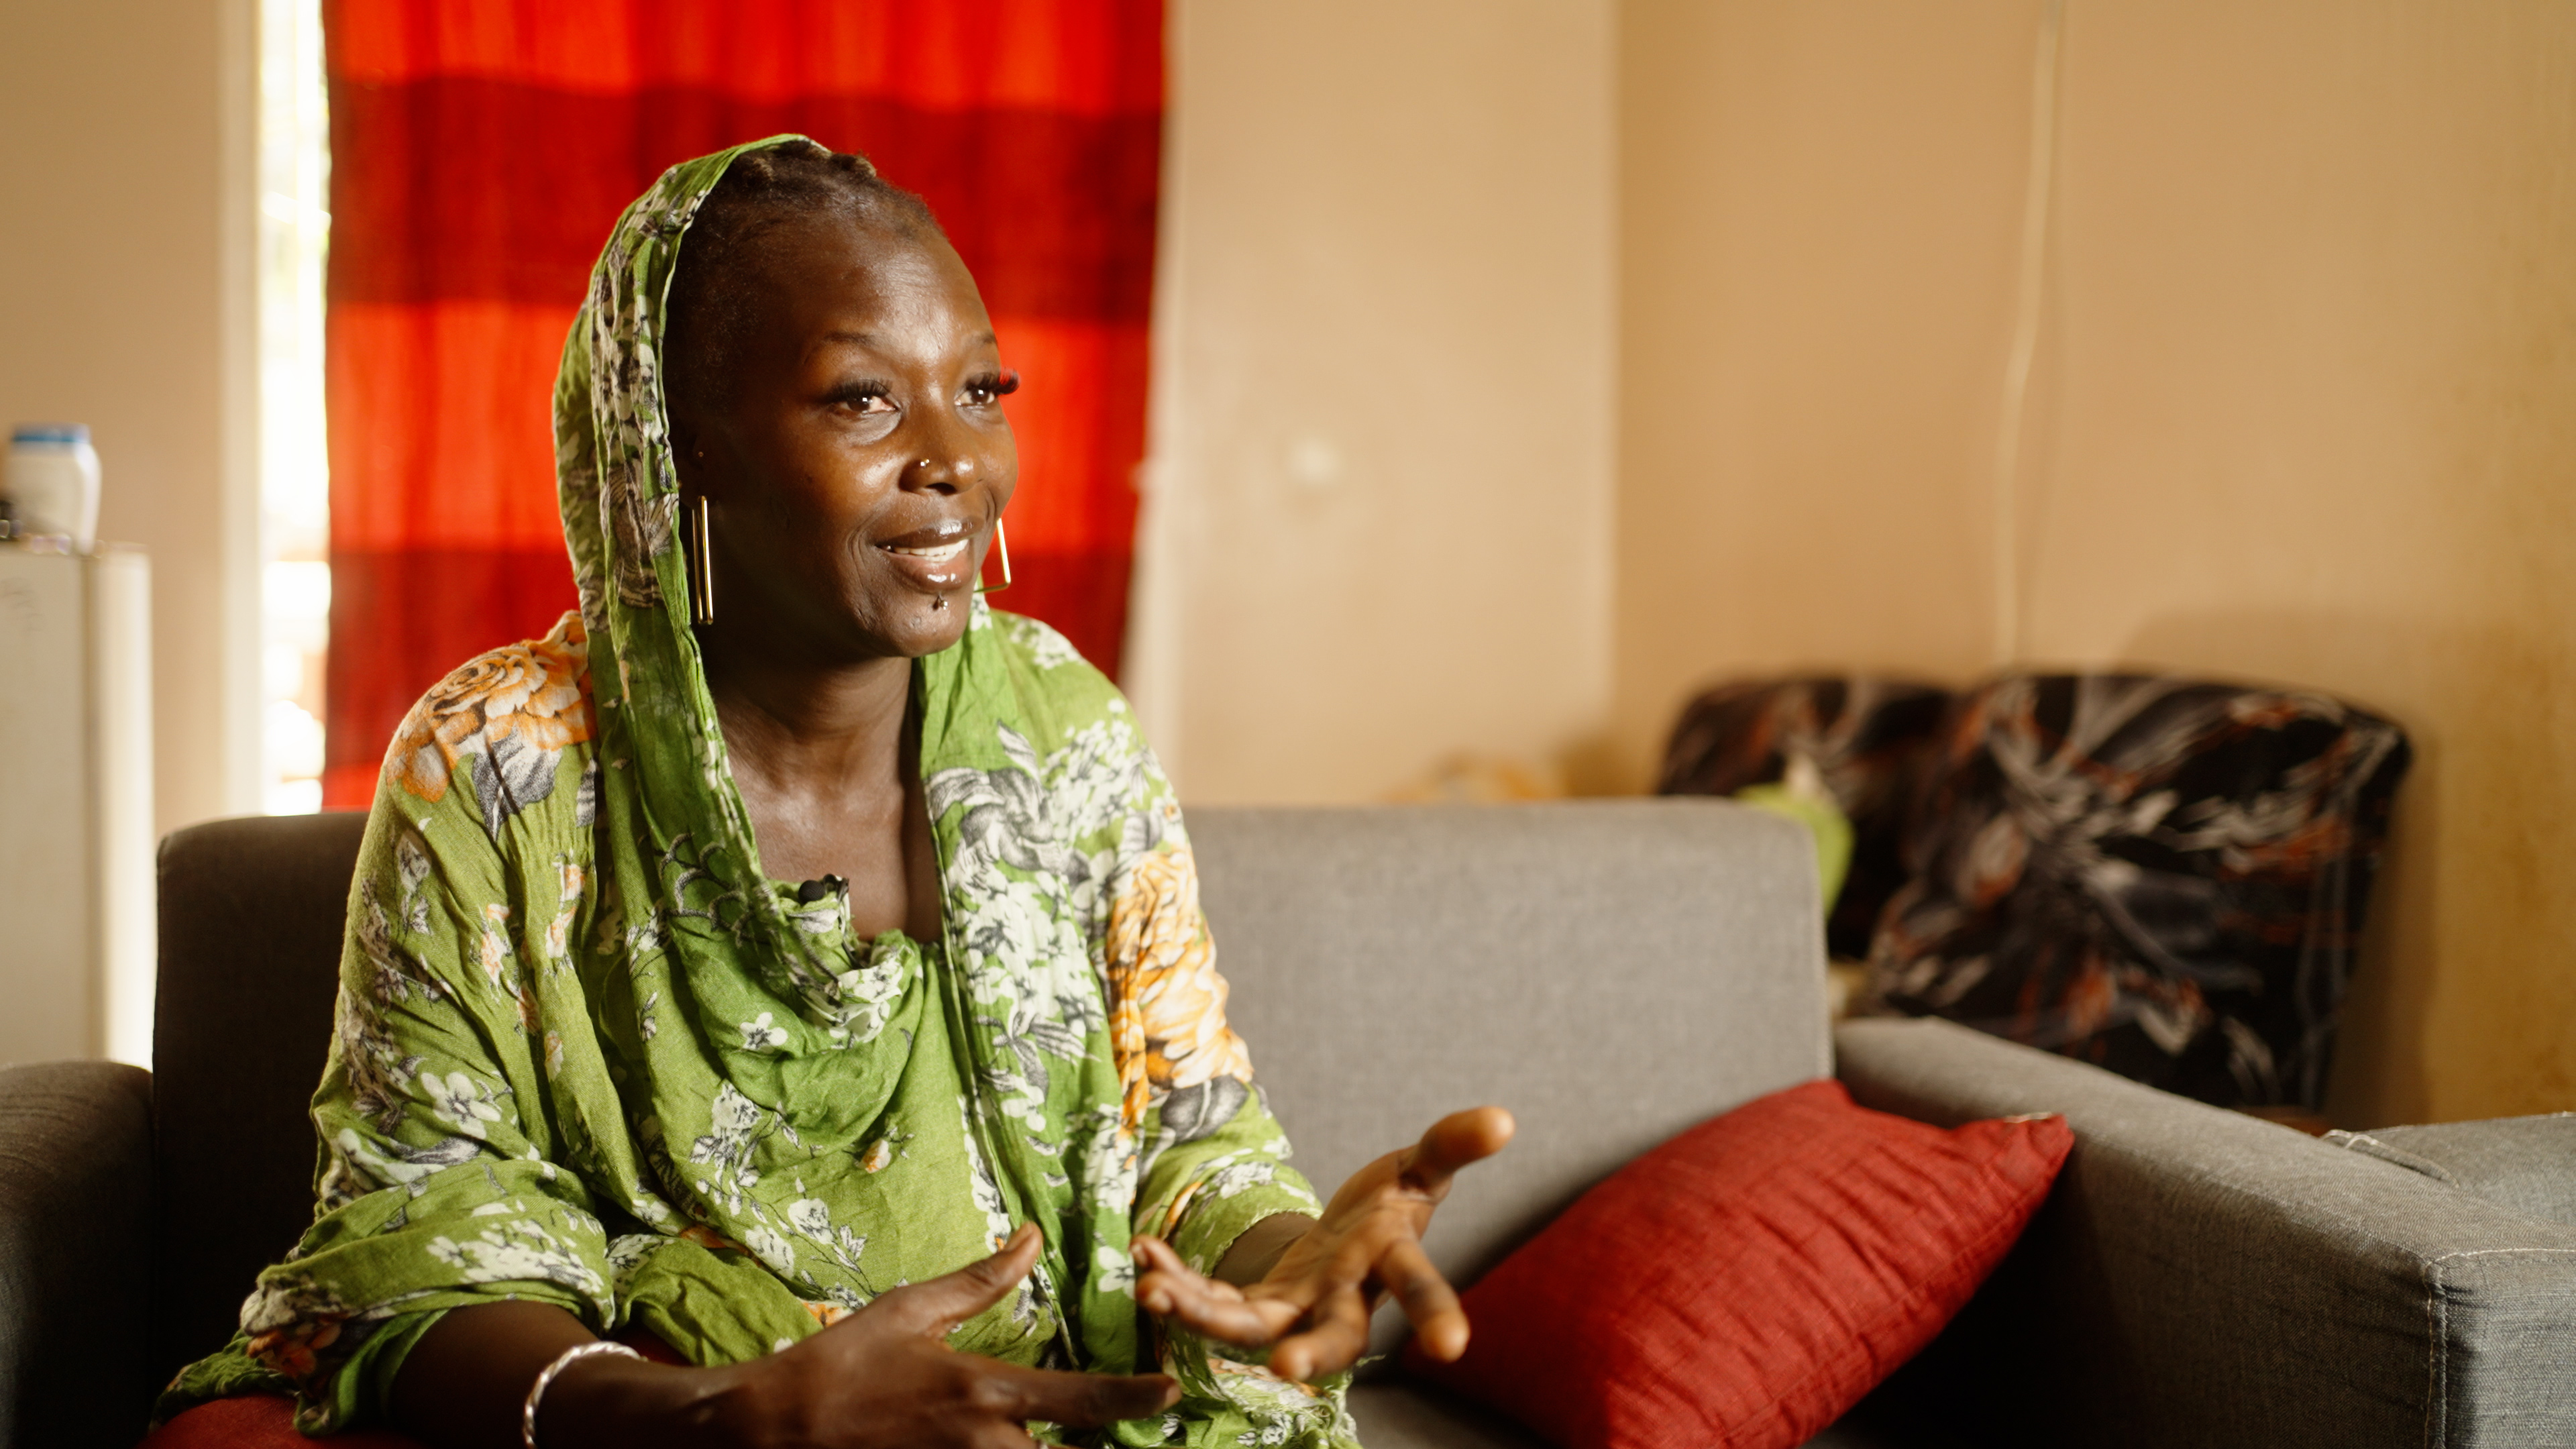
[709, 311]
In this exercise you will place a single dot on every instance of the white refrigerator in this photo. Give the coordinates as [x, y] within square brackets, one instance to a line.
[76, 844]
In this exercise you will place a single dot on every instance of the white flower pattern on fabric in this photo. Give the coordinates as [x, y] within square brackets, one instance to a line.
[627, 1252]
[727, 1146]
[997, 1219]
[521, 1251]
[1108, 1159]
[459, 1101]
[1043, 918]
[873, 990]
[1113, 1271]
[771, 1247]
[398, 1165]
[1030, 958]
[1235, 1180]
[381, 1074]
[1047, 648]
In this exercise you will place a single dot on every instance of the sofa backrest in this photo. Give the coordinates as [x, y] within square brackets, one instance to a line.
[251, 912]
[1611, 971]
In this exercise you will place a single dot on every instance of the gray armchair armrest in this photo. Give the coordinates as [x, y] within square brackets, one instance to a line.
[75, 1253]
[2200, 1277]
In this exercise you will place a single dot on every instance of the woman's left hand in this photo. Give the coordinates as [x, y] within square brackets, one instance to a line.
[1313, 1305]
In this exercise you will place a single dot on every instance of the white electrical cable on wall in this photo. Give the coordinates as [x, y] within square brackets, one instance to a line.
[2038, 197]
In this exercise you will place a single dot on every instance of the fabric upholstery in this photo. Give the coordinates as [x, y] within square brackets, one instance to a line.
[250, 963]
[2524, 1163]
[1869, 739]
[2161, 876]
[75, 1200]
[1611, 971]
[1748, 1281]
[1399, 1412]
[1404, 1413]
[2201, 1277]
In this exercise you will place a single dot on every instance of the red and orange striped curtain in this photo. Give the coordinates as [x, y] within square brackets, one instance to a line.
[482, 148]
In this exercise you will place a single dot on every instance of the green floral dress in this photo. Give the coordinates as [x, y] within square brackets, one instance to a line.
[587, 1054]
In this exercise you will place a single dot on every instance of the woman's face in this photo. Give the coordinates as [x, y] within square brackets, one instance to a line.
[858, 457]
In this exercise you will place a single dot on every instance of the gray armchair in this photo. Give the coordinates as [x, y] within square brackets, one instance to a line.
[1611, 971]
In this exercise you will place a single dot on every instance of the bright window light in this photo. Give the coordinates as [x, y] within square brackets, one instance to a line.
[294, 457]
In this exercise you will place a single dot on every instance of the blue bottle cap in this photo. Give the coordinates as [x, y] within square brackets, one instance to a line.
[60, 434]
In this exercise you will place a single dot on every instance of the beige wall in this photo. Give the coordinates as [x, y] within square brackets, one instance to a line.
[1381, 499]
[2305, 410]
[1819, 218]
[2317, 421]
[125, 290]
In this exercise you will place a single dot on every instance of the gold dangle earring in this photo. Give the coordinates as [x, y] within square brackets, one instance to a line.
[1002, 547]
[699, 559]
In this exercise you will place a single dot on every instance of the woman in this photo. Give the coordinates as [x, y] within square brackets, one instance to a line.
[789, 962]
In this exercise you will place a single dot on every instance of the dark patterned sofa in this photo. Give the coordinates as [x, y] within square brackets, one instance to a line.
[2167, 877]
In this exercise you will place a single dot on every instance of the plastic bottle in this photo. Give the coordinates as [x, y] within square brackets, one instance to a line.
[52, 483]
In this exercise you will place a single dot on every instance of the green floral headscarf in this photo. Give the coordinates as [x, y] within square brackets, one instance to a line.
[587, 1053]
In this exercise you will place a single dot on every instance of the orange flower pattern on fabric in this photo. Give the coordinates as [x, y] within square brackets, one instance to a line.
[559, 933]
[508, 714]
[825, 1314]
[496, 945]
[1166, 1000]
[290, 1350]
[709, 1238]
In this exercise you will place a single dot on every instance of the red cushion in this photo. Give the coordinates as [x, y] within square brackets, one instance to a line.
[260, 1421]
[1745, 1283]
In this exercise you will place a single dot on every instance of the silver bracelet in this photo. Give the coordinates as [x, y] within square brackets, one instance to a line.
[546, 1378]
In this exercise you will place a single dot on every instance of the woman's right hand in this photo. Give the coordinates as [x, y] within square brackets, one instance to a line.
[885, 1376]
[882, 1377]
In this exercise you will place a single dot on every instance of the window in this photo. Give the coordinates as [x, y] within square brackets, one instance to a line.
[295, 468]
